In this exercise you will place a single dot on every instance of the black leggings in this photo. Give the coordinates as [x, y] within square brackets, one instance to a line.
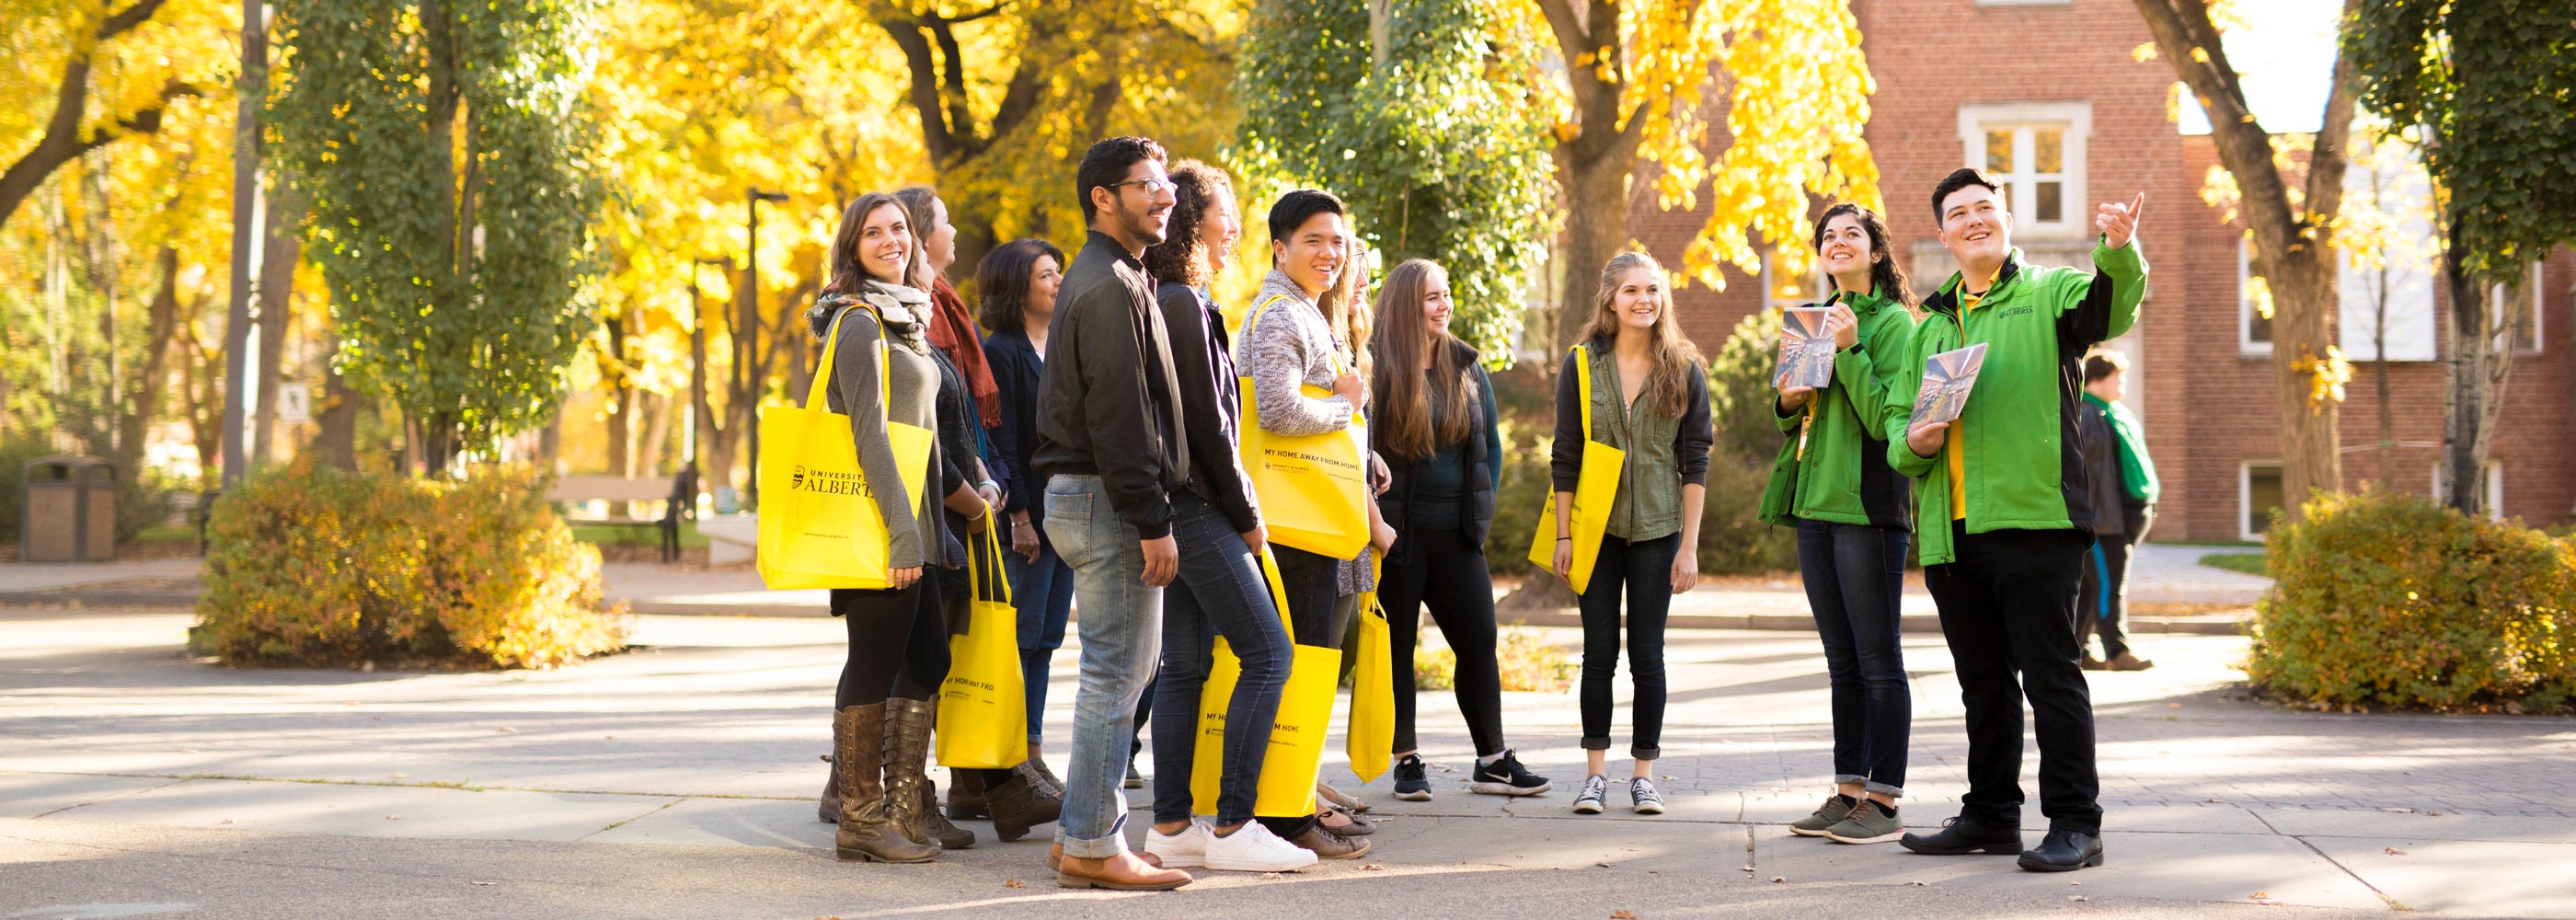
[1446, 573]
[898, 643]
[1645, 570]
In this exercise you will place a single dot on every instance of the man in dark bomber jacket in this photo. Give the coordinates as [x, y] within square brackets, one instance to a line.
[1110, 446]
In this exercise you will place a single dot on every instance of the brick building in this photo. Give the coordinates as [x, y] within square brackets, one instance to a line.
[2060, 111]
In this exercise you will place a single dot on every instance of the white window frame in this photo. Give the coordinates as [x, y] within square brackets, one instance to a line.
[2531, 287]
[2495, 487]
[2245, 344]
[2245, 496]
[2076, 120]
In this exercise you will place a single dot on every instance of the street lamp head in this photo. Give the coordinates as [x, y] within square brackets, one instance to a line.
[771, 197]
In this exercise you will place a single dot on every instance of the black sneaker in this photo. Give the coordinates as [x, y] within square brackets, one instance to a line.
[1409, 782]
[1505, 776]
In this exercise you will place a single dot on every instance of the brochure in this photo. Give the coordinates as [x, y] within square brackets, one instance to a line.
[1947, 377]
[1806, 349]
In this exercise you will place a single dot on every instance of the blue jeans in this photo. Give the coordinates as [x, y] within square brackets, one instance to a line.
[1043, 593]
[1855, 576]
[1219, 592]
[1122, 624]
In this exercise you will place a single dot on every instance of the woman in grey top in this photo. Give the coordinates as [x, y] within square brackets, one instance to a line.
[898, 638]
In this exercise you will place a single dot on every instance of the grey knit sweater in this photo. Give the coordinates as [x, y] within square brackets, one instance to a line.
[1286, 347]
[892, 314]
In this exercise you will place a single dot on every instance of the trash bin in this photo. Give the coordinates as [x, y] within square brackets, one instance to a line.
[70, 511]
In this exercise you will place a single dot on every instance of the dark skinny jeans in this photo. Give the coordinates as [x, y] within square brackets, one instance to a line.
[1644, 572]
[1446, 573]
[1855, 577]
[1219, 592]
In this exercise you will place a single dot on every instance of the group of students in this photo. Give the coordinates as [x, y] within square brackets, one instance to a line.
[1097, 421]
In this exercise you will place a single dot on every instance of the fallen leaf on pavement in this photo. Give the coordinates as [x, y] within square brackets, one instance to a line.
[1014, 883]
[1776, 879]
[487, 884]
[393, 817]
[1919, 883]
[2393, 851]
[1372, 867]
[1623, 915]
[1269, 876]
[1748, 867]
[2260, 895]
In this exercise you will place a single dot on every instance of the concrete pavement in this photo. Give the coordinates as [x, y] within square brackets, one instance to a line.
[672, 781]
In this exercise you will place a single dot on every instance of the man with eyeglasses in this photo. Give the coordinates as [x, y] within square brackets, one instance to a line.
[1110, 445]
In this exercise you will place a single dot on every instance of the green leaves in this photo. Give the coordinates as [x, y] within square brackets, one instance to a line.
[2488, 86]
[1437, 145]
[445, 149]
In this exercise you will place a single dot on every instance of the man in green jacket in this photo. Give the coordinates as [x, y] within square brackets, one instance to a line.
[2003, 516]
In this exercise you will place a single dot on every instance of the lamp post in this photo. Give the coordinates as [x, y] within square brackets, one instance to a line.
[746, 339]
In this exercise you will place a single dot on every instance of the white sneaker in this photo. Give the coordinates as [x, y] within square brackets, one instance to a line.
[1182, 850]
[1253, 848]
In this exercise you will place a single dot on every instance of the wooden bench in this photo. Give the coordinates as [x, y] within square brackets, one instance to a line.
[676, 493]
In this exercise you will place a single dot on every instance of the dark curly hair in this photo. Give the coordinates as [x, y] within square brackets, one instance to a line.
[1884, 271]
[1180, 258]
[1002, 280]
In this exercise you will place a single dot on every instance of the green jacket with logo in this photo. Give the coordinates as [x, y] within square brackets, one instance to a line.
[1843, 476]
[2023, 456]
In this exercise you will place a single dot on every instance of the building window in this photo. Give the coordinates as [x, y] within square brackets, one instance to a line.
[2520, 305]
[2259, 494]
[2385, 298]
[2253, 329]
[2037, 151]
[2495, 486]
[1782, 289]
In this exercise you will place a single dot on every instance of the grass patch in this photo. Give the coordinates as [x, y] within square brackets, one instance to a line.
[2248, 563]
[637, 535]
[167, 534]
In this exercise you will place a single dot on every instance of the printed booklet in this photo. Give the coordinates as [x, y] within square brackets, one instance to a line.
[1947, 377]
[1806, 349]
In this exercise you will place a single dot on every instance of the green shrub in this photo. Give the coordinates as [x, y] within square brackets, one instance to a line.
[314, 566]
[1732, 537]
[2390, 600]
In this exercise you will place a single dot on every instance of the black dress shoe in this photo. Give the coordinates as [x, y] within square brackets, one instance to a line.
[1960, 836]
[2064, 851]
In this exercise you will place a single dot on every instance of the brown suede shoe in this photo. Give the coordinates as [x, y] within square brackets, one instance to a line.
[1055, 858]
[2129, 661]
[1329, 845]
[1124, 872]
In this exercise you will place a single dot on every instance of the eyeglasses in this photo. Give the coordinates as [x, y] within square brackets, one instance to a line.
[1150, 186]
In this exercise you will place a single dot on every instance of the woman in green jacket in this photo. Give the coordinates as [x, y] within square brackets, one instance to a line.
[1854, 518]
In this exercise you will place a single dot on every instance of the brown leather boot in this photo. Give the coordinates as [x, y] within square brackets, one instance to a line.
[1018, 805]
[866, 830]
[827, 807]
[908, 789]
[966, 795]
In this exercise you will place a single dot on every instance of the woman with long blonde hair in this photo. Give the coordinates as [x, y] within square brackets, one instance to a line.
[1650, 400]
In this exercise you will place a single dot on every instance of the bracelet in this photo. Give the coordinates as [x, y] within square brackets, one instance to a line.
[1563, 539]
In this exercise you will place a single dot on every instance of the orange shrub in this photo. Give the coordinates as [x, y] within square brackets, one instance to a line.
[314, 566]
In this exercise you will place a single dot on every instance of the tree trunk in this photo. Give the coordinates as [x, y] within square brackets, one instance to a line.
[612, 366]
[1596, 227]
[276, 290]
[2311, 458]
[145, 390]
[2479, 362]
[336, 444]
[656, 411]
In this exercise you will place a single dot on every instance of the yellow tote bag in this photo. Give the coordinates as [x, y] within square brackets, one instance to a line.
[983, 717]
[1313, 489]
[1370, 738]
[1295, 759]
[819, 523]
[1594, 492]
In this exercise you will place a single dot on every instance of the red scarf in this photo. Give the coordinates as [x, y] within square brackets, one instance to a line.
[954, 332]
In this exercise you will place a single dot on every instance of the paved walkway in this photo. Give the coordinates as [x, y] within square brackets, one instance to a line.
[2163, 575]
[672, 781]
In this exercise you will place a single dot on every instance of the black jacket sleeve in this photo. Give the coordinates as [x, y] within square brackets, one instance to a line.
[1109, 343]
[1565, 457]
[1211, 453]
[1692, 441]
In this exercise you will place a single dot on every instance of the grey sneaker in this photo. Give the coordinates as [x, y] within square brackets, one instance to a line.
[1827, 815]
[1641, 792]
[1595, 788]
[1869, 823]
